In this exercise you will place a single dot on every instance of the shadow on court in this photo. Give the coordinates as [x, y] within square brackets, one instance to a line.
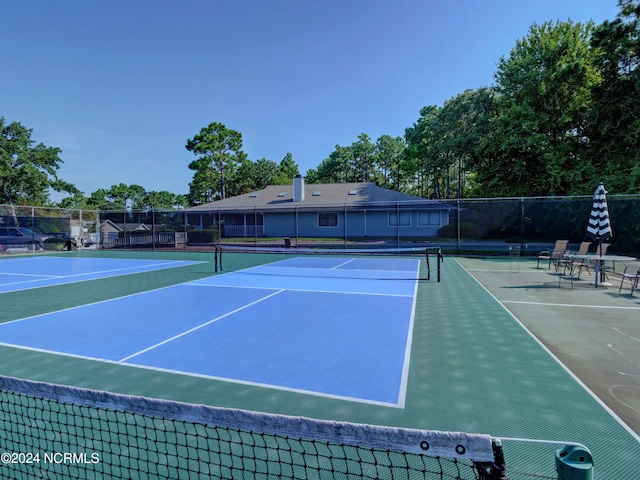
[593, 332]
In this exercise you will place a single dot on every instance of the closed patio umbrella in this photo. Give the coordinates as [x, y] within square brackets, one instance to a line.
[599, 227]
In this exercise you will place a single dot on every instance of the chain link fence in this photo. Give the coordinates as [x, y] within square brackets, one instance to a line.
[46, 229]
[473, 226]
[529, 223]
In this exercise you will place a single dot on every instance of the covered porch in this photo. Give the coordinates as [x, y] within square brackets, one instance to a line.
[245, 224]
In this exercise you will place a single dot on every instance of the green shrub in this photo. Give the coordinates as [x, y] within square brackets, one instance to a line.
[202, 236]
[54, 243]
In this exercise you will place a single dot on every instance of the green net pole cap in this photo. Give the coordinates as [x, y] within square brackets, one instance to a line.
[574, 462]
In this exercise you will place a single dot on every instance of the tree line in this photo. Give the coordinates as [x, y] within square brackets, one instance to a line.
[562, 115]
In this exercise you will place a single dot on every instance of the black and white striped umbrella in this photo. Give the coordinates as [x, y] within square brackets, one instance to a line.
[599, 227]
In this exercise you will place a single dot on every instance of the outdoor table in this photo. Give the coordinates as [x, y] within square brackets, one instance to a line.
[600, 259]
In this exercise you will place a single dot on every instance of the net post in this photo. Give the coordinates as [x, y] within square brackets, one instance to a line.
[439, 261]
[426, 252]
[493, 470]
[215, 258]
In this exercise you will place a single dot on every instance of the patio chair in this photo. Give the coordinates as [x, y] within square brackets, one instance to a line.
[631, 277]
[578, 263]
[557, 253]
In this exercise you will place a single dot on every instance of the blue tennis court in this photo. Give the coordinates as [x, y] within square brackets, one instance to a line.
[335, 327]
[33, 272]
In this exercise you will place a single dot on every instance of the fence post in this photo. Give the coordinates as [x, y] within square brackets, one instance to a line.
[521, 226]
[458, 234]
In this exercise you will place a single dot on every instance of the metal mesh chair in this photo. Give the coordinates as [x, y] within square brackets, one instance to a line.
[556, 255]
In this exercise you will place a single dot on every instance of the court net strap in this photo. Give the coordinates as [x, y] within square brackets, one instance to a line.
[128, 436]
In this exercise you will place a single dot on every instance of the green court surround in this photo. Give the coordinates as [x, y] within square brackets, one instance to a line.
[474, 366]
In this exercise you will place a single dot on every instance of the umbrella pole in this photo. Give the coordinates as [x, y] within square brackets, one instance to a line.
[598, 262]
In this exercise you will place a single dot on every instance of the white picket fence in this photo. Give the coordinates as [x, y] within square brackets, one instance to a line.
[162, 239]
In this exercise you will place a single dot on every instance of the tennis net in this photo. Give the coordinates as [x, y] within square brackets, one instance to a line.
[236, 257]
[55, 431]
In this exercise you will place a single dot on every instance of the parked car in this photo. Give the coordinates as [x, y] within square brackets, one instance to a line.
[21, 237]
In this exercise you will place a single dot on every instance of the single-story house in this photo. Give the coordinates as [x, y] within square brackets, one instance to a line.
[353, 210]
[113, 229]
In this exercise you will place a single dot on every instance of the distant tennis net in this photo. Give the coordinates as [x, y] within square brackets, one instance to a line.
[430, 255]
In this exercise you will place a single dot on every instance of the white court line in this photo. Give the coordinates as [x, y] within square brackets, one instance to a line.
[116, 272]
[208, 377]
[247, 271]
[136, 267]
[290, 289]
[342, 264]
[198, 327]
[346, 270]
[402, 392]
[265, 385]
[30, 275]
[608, 409]
[99, 272]
[626, 334]
[571, 305]
[404, 380]
[88, 304]
[39, 277]
[503, 270]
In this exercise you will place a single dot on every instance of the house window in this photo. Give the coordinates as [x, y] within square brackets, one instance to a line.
[327, 220]
[405, 219]
[426, 219]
